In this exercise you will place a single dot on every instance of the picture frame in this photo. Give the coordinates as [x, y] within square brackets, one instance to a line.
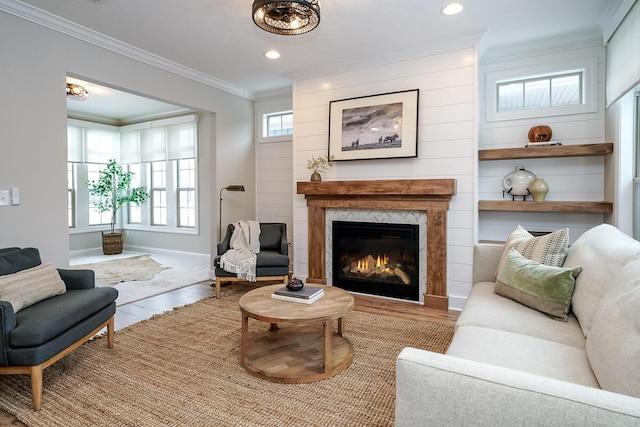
[383, 126]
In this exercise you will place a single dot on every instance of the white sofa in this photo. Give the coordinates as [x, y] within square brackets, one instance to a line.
[511, 365]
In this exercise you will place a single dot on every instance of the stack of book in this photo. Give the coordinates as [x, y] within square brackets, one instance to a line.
[306, 295]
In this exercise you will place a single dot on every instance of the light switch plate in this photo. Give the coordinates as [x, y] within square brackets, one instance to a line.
[4, 198]
[15, 196]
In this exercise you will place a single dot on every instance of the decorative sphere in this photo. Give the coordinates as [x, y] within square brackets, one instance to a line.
[295, 284]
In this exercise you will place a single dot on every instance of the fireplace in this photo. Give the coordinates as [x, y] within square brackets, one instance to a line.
[431, 196]
[376, 258]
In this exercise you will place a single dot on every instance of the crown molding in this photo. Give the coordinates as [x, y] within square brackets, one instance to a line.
[451, 44]
[64, 26]
[540, 47]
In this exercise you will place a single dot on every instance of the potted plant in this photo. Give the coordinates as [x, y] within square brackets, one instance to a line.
[113, 188]
[319, 164]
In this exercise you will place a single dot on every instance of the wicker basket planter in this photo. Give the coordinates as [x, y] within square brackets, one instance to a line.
[111, 243]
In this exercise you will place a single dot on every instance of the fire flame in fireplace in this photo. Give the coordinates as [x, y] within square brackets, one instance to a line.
[378, 266]
[369, 263]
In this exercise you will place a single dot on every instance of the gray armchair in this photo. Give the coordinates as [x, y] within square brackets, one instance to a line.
[41, 334]
[272, 263]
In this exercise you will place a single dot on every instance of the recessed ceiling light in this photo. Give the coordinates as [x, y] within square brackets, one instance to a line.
[451, 9]
[272, 54]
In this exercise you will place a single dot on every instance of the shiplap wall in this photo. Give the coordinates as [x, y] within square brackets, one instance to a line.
[274, 168]
[447, 143]
[580, 178]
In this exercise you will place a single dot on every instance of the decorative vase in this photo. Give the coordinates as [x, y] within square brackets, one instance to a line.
[315, 176]
[517, 182]
[295, 284]
[539, 189]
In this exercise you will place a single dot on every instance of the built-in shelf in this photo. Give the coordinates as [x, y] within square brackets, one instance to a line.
[546, 206]
[579, 150]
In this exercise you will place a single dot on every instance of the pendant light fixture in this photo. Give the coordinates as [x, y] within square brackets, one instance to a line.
[76, 92]
[287, 18]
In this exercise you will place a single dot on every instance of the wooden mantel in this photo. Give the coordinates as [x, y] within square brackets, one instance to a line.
[429, 195]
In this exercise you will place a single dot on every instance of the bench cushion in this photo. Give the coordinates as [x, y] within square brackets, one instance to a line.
[61, 313]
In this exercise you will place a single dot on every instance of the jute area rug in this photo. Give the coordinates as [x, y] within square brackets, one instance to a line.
[181, 369]
[137, 268]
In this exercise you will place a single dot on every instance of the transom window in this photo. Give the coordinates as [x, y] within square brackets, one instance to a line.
[277, 124]
[540, 92]
[542, 89]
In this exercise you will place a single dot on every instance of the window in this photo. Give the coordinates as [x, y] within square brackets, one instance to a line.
[544, 89]
[186, 193]
[277, 124]
[71, 204]
[540, 92]
[162, 154]
[135, 211]
[158, 193]
[95, 216]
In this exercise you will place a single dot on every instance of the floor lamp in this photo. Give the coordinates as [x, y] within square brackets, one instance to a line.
[228, 188]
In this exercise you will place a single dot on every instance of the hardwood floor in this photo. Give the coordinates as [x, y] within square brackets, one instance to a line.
[135, 312]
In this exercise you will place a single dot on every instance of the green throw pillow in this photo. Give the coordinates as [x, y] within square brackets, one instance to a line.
[548, 249]
[542, 287]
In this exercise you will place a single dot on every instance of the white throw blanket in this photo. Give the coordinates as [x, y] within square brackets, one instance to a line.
[244, 245]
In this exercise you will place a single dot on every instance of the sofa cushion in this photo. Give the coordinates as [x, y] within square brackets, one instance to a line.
[602, 251]
[545, 288]
[13, 261]
[270, 235]
[487, 309]
[523, 353]
[61, 312]
[30, 286]
[613, 344]
[549, 249]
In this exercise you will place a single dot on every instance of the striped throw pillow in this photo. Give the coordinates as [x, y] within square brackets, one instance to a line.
[30, 286]
[549, 249]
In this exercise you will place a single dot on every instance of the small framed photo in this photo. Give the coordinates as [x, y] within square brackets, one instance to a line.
[381, 126]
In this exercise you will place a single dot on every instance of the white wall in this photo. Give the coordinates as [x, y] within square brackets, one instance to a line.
[580, 178]
[446, 143]
[33, 118]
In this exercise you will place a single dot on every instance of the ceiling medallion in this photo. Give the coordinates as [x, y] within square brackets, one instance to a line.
[287, 18]
[76, 92]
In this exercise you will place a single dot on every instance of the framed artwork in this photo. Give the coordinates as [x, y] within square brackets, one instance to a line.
[374, 127]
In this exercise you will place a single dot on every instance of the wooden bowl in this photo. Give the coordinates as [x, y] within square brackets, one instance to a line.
[540, 133]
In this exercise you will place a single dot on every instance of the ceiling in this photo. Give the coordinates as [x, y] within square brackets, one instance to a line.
[218, 39]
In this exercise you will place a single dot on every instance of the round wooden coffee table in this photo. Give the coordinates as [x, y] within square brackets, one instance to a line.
[301, 352]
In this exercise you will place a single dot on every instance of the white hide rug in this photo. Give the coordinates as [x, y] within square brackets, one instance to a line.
[180, 269]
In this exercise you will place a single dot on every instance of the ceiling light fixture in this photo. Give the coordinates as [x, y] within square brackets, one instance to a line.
[452, 9]
[272, 54]
[288, 18]
[76, 92]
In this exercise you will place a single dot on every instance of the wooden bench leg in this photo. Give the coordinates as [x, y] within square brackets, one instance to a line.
[36, 386]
